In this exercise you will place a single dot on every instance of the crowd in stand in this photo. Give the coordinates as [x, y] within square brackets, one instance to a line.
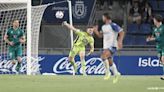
[140, 12]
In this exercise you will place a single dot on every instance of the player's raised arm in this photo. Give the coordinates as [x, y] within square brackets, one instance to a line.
[99, 34]
[69, 26]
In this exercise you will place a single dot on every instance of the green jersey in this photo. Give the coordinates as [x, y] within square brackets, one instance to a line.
[159, 36]
[15, 35]
[83, 38]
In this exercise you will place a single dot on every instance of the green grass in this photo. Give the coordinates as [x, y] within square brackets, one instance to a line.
[23, 83]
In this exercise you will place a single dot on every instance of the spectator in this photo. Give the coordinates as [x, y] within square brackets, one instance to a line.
[109, 3]
[135, 13]
[146, 13]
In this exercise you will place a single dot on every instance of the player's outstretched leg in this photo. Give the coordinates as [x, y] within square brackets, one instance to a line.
[83, 64]
[115, 72]
[71, 60]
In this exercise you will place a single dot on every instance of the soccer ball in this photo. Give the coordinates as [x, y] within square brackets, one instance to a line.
[59, 14]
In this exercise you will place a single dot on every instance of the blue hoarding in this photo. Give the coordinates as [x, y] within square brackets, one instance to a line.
[58, 64]
[127, 65]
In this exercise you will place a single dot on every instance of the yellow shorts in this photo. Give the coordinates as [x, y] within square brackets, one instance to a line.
[75, 50]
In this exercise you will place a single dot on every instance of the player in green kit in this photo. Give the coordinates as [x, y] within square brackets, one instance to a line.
[158, 36]
[15, 37]
[83, 38]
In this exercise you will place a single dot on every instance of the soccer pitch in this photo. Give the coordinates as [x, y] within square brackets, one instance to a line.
[64, 83]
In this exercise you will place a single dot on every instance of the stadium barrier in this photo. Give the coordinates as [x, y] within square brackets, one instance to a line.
[127, 65]
[58, 64]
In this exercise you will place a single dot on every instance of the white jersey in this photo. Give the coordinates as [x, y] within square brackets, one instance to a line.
[110, 34]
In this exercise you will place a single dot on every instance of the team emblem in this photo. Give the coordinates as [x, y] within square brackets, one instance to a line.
[79, 10]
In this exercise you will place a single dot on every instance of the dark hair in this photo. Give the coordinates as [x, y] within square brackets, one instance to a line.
[107, 15]
[89, 26]
[158, 17]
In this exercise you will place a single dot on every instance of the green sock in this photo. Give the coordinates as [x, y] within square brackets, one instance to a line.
[74, 65]
[18, 66]
[83, 66]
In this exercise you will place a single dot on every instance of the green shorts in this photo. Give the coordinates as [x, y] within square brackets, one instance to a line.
[14, 52]
[75, 50]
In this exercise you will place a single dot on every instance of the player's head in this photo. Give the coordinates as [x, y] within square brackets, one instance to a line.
[89, 30]
[157, 19]
[16, 23]
[106, 17]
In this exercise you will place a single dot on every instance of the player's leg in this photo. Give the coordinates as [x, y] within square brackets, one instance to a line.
[82, 59]
[162, 61]
[72, 54]
[12, 56]
[105, 55]
[19, 57]
[113, 67]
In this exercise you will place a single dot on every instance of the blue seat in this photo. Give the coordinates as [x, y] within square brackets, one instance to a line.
[129, 40]
[157, 5]
[153, 4]
[133, 28]
[140, 40]
[145, 28]
[161, 5]
[134, 40]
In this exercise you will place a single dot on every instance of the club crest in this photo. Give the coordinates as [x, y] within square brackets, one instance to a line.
[79, 10]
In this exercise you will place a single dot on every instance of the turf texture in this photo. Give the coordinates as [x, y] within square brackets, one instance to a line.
[68, 83]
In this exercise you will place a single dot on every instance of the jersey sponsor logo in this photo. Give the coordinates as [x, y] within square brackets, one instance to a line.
[79, 9]
[149, 62]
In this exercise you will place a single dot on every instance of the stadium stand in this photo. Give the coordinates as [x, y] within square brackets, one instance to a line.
[138, 32]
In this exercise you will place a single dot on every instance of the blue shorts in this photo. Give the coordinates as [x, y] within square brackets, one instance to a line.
[112, 50]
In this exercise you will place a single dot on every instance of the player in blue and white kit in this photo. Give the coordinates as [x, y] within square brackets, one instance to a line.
[112, 41]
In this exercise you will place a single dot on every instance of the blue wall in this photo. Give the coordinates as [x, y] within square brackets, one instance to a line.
[127, 65]
[58, 64]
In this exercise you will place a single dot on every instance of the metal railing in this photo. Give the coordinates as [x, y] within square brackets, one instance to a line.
[124, 51]
[92, 15]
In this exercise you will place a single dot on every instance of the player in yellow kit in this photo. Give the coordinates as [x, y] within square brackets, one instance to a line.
[83, 38]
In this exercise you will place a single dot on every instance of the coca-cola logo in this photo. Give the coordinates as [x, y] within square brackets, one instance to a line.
[93, 66]
[6, 66]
